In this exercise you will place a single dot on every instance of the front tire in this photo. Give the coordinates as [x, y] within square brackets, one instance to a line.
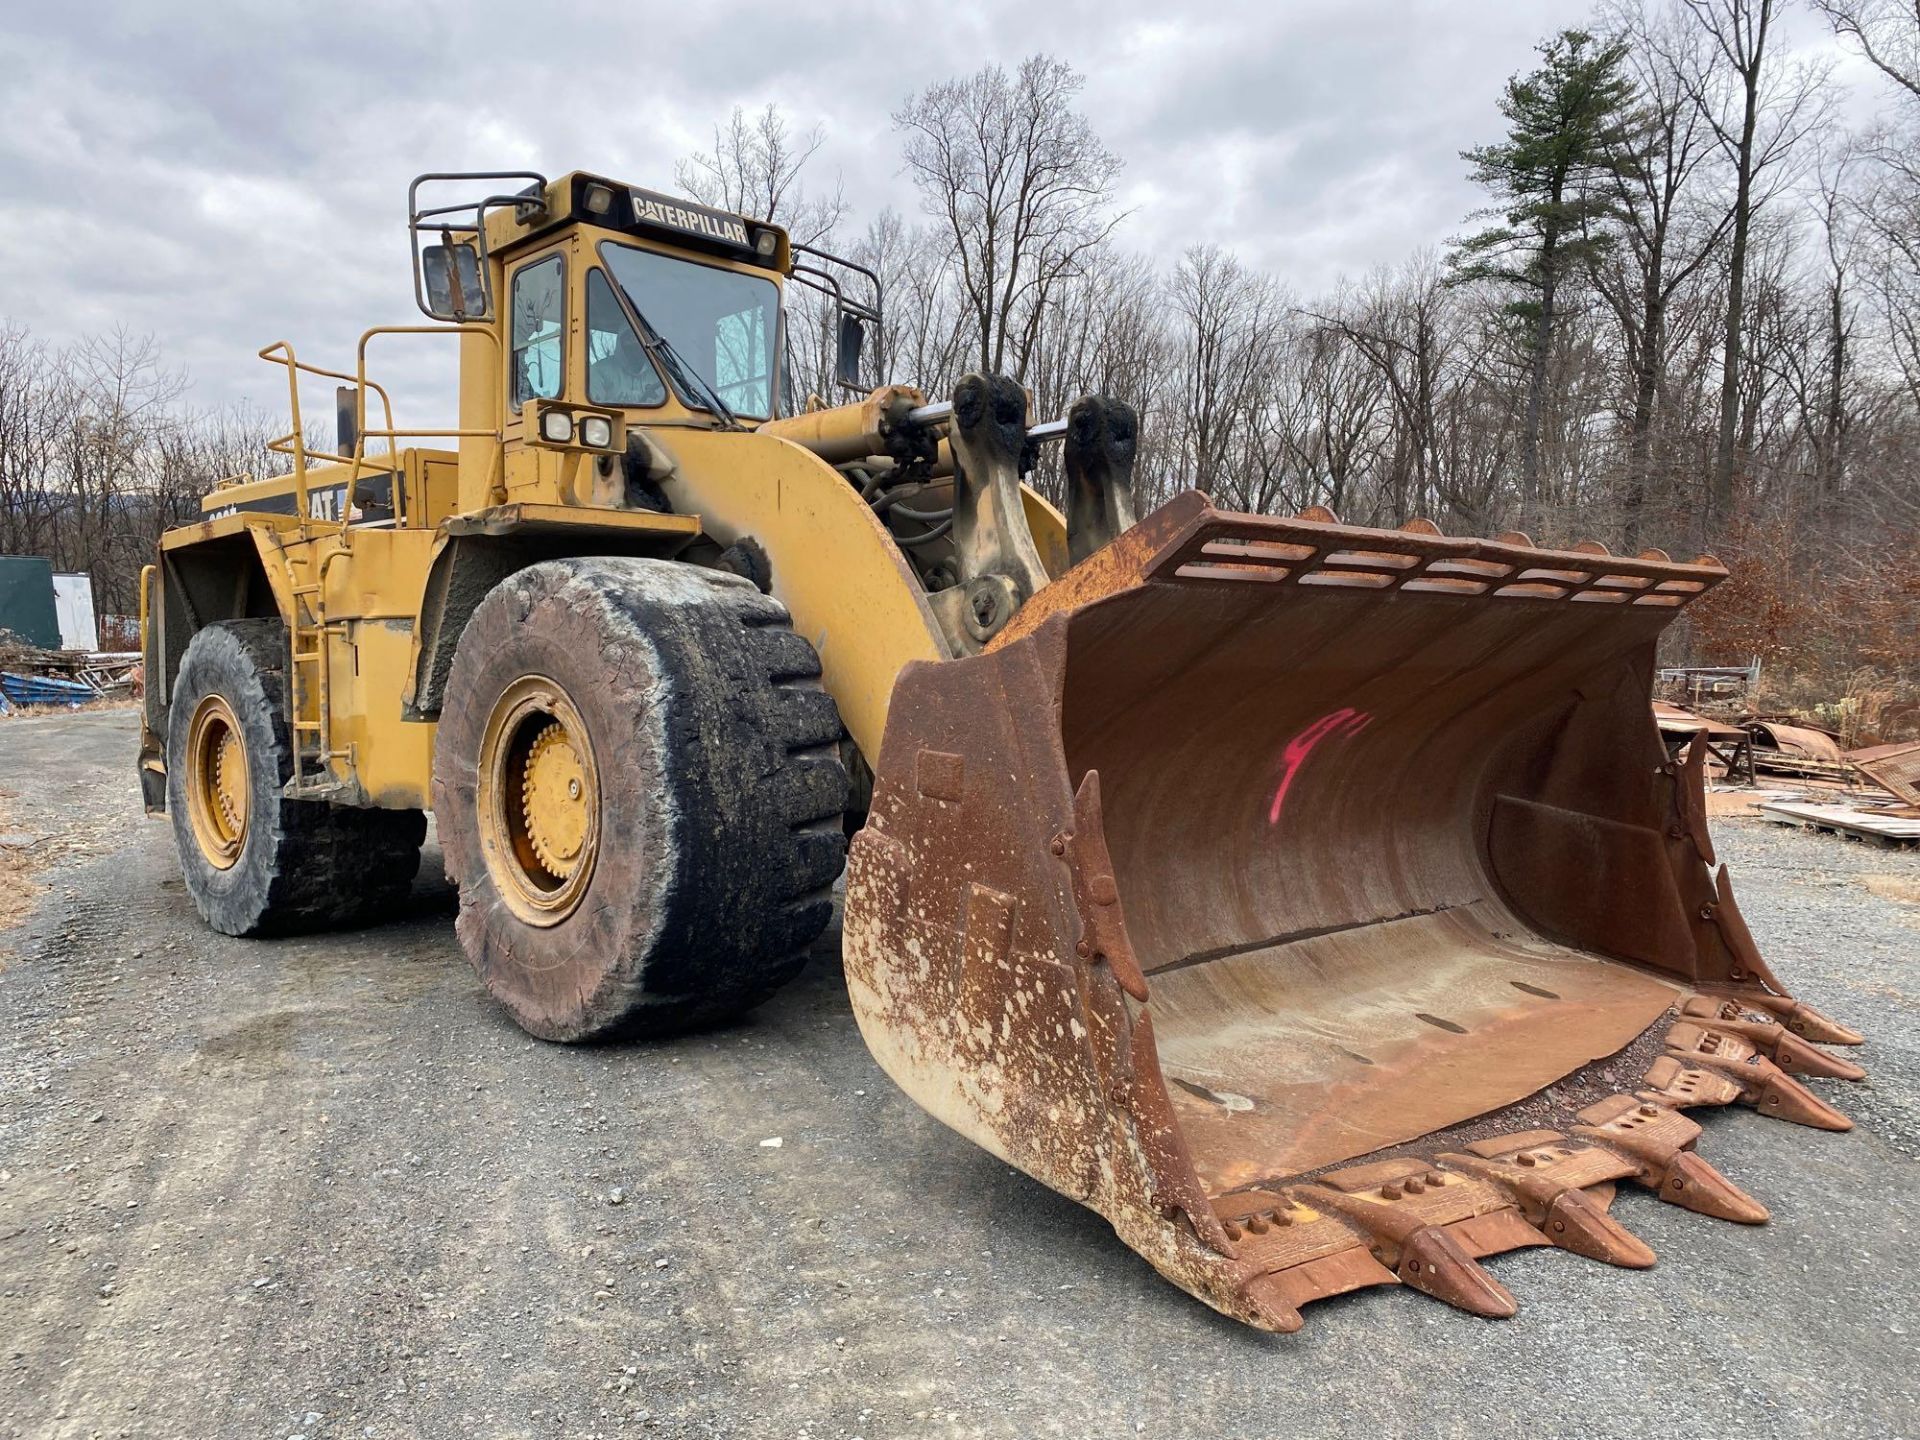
[255, 862]
[639, 792]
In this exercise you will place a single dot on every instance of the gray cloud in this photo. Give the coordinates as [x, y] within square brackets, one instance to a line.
[224, 174]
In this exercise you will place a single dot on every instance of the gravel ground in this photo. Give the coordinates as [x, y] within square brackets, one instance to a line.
[322, 1188]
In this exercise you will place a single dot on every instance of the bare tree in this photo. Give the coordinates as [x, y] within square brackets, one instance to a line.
[1668, 233]
[1223, 316]
[1022, 188]
[1887, 32]
[754, 170]
[1759, 112]
[1403, 326]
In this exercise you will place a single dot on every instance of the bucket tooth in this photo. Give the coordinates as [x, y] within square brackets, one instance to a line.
[1547, 1181]
[1770, 1038]
[1790, 1052]
[1763, 1084]
[1576, 1222]
[1432, 1261]
[1805, 1021]
[1785, 1098]
[1693, 1184]
[1660, 1143]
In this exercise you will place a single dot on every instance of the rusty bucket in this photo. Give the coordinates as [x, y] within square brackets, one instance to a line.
[1319, 905]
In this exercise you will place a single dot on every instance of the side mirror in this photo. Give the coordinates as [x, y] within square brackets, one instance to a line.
[455, 290]
[853, 339]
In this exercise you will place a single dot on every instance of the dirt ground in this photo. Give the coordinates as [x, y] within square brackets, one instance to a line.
[321, 1188]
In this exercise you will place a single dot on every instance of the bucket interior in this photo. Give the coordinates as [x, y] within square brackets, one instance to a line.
[1298, 791]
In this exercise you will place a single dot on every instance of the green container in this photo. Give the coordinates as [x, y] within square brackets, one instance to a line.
[26, 600]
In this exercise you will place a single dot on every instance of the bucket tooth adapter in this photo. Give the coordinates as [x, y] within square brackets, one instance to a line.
[1318, 903]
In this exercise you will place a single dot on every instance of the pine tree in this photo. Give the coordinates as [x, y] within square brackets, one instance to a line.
[1572, 128]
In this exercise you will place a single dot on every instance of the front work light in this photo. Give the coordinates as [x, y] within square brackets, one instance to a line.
[556, 426]
[596, 432]
[599, 199]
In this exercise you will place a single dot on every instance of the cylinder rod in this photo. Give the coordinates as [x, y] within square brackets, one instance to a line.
[942, 410]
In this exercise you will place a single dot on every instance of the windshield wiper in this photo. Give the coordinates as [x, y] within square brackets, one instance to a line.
[685, 376]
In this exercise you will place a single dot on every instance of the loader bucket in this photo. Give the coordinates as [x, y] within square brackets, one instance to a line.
[1319, 905]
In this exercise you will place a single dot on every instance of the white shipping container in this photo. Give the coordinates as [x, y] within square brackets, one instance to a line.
[73, 602]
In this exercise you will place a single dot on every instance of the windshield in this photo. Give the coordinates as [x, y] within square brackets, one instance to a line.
[724, 325]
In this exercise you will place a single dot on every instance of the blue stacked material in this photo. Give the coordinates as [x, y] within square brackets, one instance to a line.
[44, 690]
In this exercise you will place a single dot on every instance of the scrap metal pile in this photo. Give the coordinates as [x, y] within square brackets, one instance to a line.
[1871, 793]
[33, 676]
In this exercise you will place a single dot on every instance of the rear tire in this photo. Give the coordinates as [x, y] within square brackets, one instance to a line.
[255, 862]
[639, 792]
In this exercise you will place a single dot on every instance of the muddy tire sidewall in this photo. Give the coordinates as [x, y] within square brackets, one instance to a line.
[219, 661]
[681, 917]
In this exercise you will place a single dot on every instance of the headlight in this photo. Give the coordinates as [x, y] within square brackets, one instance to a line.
[556, 426]
[765, 243]
[596, 432]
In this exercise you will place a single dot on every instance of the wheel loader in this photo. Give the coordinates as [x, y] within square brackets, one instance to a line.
[1317, 903]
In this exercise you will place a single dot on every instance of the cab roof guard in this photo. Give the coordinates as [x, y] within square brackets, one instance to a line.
[449, 276]
[851, 315]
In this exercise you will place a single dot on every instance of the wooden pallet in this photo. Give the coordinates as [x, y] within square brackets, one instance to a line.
[1843, 820]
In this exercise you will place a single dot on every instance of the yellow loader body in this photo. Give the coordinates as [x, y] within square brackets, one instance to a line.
[1317, 903]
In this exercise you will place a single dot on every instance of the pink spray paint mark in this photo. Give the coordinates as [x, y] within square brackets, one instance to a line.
[1345, 722]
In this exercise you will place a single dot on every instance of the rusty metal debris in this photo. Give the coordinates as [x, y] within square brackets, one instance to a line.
[1320, 905]
[1782, 748]
[1894, 768]
[1892, 821]
[1730, 745]
[1890, 826]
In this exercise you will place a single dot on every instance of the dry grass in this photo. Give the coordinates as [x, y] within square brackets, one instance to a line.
[28, 712]
[18, 865]
[1903, 888]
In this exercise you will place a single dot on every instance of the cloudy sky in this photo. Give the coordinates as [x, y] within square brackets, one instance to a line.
[221, 175]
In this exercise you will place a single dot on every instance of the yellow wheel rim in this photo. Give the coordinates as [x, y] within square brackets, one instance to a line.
[538, 801]
[219, 782]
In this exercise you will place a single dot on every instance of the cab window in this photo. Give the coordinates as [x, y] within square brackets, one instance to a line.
[743, 359]
[538, 310]
[618, 370]
[723, 324]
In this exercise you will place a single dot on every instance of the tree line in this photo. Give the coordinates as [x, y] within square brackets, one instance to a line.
[1688, 316]
[98, 456]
